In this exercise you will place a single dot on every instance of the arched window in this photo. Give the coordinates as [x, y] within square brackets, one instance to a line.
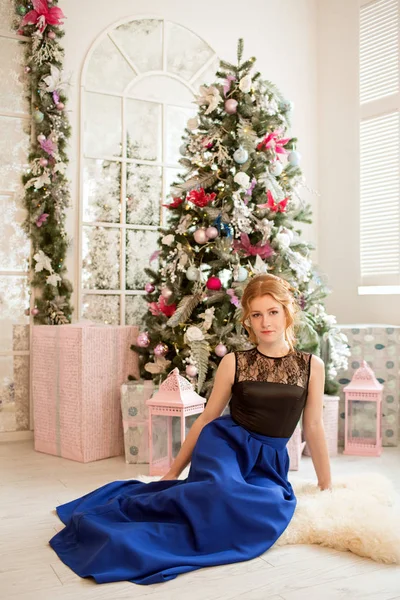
[14, 244]
[138, 87]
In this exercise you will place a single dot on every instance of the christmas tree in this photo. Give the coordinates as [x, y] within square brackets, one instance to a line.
[234, 213]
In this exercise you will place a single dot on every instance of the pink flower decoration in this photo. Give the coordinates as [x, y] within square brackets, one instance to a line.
[48, 146]
[272, 140]
[56, 97]
[245, 246]
[234, 299]
[42, 15]
[42, 219]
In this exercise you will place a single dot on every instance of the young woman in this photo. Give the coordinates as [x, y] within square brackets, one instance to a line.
[236, 501]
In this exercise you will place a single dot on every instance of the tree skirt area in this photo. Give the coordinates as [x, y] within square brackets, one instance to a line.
[361, 514]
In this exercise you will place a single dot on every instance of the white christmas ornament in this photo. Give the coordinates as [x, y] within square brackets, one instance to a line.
[183, 149]
[242, 179]
[240, 156]
[193, 274]
[276, 168]
[242, 274]
[245, 84]
[294, 158]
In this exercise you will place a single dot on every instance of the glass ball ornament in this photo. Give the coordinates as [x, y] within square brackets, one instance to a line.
[143, 340]
[221, 350]
[183, 150]
[276, 168]
[231, 106]
[193, 274]
[35, 311]
[191, 370]
[60, 106]
[21, 10]
[41, 137]
[51, 35]
[200, 236]
[161, 349]
[240, 156]
[211, 233]
[166, 293]
[38, 116]
[149, 288]
[214, 283]
[27, 69]
[294, 158]
[43, 162]
[242, 274]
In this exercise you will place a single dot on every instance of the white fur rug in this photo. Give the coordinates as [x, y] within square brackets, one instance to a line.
[360, 514]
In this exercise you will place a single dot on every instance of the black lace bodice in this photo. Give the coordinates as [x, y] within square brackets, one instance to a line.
[269, 394]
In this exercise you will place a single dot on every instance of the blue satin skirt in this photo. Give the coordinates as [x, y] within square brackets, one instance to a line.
[235, 503]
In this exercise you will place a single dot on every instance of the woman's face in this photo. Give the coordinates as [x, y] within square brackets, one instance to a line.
[267, 319]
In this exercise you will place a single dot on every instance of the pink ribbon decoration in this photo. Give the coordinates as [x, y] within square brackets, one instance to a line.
[244, 245]
[42, 15]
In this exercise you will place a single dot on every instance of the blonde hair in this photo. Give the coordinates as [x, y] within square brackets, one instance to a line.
[282, 292]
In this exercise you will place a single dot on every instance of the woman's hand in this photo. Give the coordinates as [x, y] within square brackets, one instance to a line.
[169, 476]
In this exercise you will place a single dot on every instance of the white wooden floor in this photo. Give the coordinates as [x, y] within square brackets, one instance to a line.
[32, 484]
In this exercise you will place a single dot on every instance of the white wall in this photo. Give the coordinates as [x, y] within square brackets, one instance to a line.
[282, 35]
[338, 172]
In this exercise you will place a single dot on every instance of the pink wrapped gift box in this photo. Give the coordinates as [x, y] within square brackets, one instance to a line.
[77, 373]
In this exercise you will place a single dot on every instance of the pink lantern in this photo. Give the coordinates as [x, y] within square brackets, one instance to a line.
[363, 399]
[175, 398]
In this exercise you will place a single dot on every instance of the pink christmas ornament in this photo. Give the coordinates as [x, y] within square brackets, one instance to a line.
[43, 162]
[35, 311]
[191, 370]
[51, 35]
[231, 106]
[41, 138]
[27, 312]
[60, 106]
[221, 350]
[27, 69]
[143, 340]
[211, 233]
[161, 349]
[200, 236]
[149, 288]
[214, 283]
[166, 293]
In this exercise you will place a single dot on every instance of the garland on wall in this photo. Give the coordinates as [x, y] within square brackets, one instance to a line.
[46, 188]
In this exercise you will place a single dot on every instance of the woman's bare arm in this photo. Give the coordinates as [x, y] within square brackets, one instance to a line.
[219, 398]
[313, 426]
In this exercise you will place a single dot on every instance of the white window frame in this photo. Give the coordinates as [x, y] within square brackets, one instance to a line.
[378, 284]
